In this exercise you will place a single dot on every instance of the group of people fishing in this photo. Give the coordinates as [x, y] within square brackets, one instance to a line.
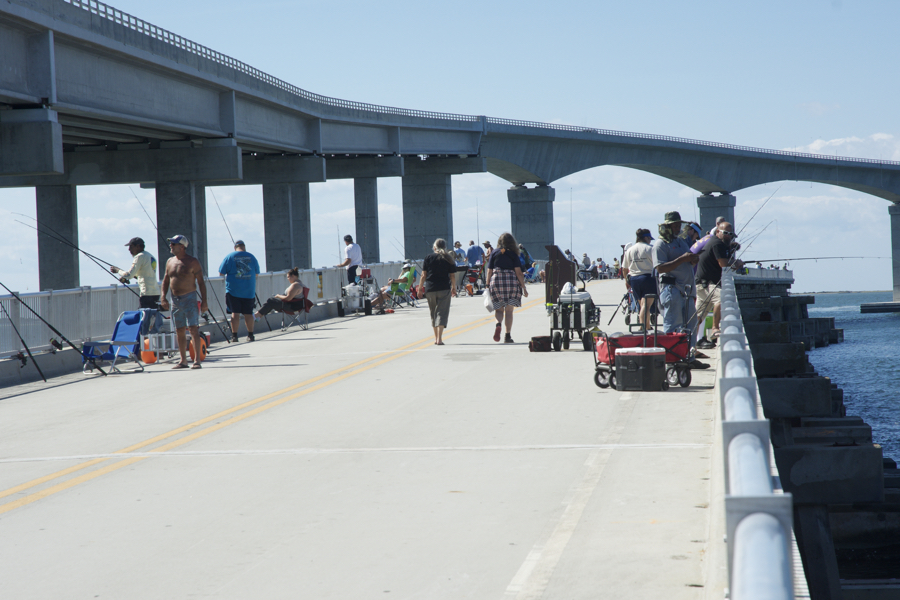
[683, 269]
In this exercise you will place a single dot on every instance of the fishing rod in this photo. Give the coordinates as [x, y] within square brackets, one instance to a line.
[228, 229]
[759, 209]
[165, 242]
[60, 238]
[24, 345]
[93, 258]
[762, 260]
[52, 328]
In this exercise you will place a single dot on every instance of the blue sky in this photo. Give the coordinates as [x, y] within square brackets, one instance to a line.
[813, 76]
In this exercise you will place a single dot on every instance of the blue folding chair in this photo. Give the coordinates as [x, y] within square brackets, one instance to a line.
[123, 344]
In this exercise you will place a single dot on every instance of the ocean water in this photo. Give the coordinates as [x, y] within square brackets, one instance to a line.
[866, 365]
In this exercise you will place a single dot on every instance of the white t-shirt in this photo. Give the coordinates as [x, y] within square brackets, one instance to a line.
[354, 253]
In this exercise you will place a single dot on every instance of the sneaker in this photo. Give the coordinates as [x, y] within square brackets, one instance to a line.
[508, 339]
[696, 364]
[497, 332]
[234, 337]
[250, 337]
[705, 344]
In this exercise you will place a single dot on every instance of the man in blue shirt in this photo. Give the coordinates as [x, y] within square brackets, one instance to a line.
[474, 254]
[240, 269]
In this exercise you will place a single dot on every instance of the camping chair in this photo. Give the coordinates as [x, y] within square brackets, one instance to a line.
[296, 312]
[404, 292]
[122, 344]
[532, 275]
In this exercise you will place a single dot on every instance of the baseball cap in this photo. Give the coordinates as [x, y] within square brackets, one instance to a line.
[239, 243]
[697, 229]
[644, 233]
[178, 239]
[406, 265]
[135, 241]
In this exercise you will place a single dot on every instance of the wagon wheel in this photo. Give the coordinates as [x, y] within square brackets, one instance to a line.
[557, 341]
[612, 380]
[587, 339]
[672, 376]
[601, 378]
[684, 378]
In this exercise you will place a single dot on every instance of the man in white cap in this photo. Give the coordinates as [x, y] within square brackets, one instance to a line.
[185, 276]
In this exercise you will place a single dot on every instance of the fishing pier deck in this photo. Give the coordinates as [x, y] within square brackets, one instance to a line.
[358, 460]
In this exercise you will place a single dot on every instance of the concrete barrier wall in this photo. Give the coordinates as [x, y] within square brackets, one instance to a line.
[90, 313]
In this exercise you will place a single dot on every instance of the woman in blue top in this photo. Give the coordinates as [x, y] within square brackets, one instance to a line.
[506, 284]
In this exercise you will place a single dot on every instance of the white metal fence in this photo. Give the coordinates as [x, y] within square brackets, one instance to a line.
[90, 313]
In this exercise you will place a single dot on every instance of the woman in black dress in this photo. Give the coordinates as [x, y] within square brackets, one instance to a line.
[436, 283]
[506, 284]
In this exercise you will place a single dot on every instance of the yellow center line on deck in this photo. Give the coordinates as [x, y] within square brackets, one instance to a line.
[361, 367]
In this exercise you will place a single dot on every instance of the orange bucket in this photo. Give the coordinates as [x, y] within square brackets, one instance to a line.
[147, 357]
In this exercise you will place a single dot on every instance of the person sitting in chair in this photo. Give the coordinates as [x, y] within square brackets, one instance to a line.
[397, 286]
[293, 297]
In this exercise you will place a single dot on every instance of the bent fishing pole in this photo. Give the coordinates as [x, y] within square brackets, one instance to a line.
[228, 229]
[71, 244]
[165, 243]
[52, 328]
[24, 345]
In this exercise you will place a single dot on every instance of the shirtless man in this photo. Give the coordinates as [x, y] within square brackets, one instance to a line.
[184, 274]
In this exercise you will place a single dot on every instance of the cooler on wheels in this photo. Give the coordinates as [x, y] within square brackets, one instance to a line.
[641, 370]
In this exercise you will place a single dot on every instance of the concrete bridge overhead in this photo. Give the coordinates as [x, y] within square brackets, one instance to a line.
[91, 95]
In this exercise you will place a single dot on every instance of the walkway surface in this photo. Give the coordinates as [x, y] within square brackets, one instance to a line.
[357, 460]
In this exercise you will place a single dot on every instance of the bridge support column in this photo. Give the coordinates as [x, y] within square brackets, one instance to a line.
[712, 207]
[894, 210]
[57, 216]
[365, 193]
[531, 214]
[427, 213]
[181, 209]
[286, 220]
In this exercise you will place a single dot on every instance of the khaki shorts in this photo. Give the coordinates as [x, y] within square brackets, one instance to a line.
[707, 298]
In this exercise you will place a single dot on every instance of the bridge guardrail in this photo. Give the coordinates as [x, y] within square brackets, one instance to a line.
[124, 19]
[89, 313]
[758, 521]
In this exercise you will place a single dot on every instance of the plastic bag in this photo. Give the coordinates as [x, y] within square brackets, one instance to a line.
[488, 302]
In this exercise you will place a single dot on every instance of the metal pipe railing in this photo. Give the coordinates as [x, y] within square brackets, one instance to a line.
[758, 520]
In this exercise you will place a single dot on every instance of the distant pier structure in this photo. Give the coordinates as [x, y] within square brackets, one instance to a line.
[91, 95]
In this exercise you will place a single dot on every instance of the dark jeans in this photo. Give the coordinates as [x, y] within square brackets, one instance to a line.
[275, 304]
[351, 274]
[150, 301]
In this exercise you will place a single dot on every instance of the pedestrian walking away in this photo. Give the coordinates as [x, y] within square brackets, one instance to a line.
[352, 258]
[638, 265]
[143, 268]
[184, 276]
[506, 284]
[436, 283]
[673, 260]
[240, 268]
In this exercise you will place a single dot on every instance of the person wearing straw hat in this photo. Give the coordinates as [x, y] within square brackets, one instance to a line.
[673, 260]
